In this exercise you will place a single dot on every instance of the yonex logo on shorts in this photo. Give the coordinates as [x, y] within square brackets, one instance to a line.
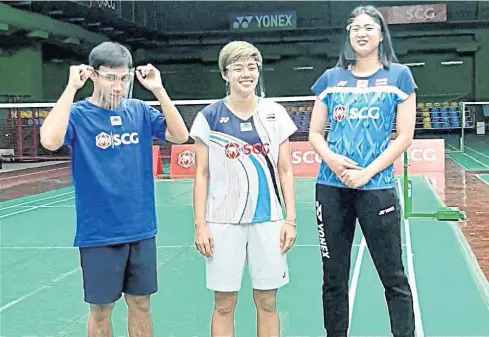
[387, 210]
[105, 140]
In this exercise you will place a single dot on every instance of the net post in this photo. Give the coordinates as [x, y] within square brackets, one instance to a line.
[462, 140]
[407, 189]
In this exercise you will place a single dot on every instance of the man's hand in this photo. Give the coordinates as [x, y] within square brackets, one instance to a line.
[287, 237]
[149, 77]
[356, 178]
[204, 241]
[79, 76]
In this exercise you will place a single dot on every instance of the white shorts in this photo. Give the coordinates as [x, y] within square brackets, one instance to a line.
[256, 244]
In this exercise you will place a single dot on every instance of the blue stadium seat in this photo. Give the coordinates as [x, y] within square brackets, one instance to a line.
[454, 115]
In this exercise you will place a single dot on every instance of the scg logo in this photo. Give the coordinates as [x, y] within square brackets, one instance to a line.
[104, 140]
[186, 159]
[234, 150]
[340, 112]
[364, 113]
[420, 155]
[421, 13]
[308, 157]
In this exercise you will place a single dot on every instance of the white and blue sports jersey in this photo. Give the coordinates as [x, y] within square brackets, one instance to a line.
[112, 171]
[361, 113]
[243, 156]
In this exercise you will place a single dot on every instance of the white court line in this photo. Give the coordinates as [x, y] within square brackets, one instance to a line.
[49, 206]
[33, 208]
[478, 152]
[32, 173]
[355, 278]
[470, 157]
[160, 246]
[479, 176]
[14, 302]
[410, 264]
[468, 253]
[163, 205]
[35, 200]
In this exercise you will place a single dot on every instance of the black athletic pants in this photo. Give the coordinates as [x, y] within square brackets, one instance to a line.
[379, 217]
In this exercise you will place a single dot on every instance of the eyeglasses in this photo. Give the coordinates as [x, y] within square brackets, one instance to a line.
[111, 77]
[356, 28]
[239, 67]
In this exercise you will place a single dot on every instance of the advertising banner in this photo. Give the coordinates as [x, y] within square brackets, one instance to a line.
[424, 155]
[260, 22]
[414, 14]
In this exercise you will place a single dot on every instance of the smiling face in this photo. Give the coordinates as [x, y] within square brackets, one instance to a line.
[240, 64]
[365, 35]
[242, 76]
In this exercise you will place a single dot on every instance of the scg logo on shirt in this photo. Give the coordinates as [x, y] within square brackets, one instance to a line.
[104, 140]
[233, 150]
[341, 113]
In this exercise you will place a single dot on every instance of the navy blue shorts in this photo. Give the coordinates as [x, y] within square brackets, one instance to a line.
[109, 271]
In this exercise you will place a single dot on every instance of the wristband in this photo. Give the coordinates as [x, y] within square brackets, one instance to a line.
[290, 223]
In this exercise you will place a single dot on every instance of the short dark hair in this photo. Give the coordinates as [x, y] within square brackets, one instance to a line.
[111, 55]
[387, 55]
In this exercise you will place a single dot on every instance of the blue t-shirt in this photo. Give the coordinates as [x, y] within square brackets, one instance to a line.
[111, 156]
[361, 113]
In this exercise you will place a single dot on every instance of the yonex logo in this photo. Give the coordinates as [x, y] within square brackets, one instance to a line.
[186, 159]
[242, 22]
[104, 140]
[270, 21]
[387, 210]
[323, 246]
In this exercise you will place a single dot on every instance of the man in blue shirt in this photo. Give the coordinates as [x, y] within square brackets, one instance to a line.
[110, 137]
[361, 98]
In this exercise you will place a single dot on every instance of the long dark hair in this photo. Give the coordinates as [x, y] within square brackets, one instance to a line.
[386, 51]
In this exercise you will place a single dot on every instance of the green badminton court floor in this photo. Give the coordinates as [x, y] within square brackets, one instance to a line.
[41, 289]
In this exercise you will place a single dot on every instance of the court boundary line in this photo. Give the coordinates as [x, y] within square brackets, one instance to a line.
[479, 176]
[158, 206]
[355, 278]
[35, 200]
[34, 173]
[470, 157]
[419, 330]
[476, 151]
[33, 208]
[44, 286]
[458, 163]
[65, 275]
[468, 254]
[158, 246]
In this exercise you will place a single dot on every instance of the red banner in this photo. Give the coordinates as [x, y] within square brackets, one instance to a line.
[182, 162]
[414, 14]
[424, 155]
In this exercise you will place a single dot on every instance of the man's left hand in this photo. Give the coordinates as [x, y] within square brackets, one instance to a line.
[149, 77]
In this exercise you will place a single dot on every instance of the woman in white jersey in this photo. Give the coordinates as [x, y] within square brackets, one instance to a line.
[361, 98]
[243, 166]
